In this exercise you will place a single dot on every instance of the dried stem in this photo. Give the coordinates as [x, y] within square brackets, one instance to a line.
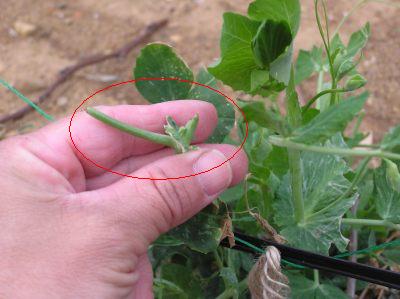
[365, 292]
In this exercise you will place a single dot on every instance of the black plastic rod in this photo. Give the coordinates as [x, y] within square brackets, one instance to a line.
[308, 259]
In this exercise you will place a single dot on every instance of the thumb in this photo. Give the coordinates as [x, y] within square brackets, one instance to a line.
[149, 208]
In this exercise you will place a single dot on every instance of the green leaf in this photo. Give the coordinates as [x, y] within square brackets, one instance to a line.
[307, 63]
[257, 148]
[343, 56]
[225, 110]
[264, 84]
[258, 79]
[323, 184]
[309, 115]
[233, 194]
[229, 277]
[244, 221]
[237, 66]
[347, 67]
[260, 196]
[262, 183]
[201, 233]
[336, 45]
[278, 11]
[277, 161]
[237, 60]
[393, 175]
[332, 120]
[182, 136]
[302, 287]
[256, 112]
[292, 103]
[271, 41]
[358, 40]
[393, 255]
[156, 61]
[304, 66]
[391, 141]
[159, 253]
[387, 200]
[168, 289]
[167, 240]
[280, 68]
[183, 278]
[365, 188]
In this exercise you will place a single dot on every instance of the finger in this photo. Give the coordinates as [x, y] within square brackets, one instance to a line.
[126, 166]
[143, 288]
[106, 145]
[132, 164]
[147, 208]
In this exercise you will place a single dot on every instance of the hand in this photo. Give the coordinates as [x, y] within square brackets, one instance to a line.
[71, 230]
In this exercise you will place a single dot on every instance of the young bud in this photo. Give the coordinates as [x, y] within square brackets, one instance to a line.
[393, 175]
[355, 82]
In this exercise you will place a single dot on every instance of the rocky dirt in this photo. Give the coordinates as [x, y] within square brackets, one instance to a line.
[38, 38]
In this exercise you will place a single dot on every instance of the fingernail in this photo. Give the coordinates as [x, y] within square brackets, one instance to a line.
[216, 180]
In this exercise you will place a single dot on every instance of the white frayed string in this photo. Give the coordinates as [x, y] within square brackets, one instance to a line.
[266, 280]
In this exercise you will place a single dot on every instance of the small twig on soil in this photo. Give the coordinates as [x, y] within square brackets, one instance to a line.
[67, 72]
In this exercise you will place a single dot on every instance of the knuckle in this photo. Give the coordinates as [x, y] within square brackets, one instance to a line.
[171, 196]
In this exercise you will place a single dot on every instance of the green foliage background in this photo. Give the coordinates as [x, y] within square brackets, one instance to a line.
[305, 174]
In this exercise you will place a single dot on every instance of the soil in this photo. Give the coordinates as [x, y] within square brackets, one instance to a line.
[60, 32]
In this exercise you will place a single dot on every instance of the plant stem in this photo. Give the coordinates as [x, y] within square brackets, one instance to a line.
[371, 222]
[218, 259]
[151, 136]
[374, 146]
[320, 82]
[242, 286]
[320, 86]
[231, 292]
[327, 47]
[228, 294]
[344, 152]
[320, 94]
[360, 118]
[316, 277]
[353, 246]
[296, 178]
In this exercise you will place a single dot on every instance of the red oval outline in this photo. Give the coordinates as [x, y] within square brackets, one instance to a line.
[157, 79]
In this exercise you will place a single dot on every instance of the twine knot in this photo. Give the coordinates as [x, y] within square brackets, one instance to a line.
[266, 280]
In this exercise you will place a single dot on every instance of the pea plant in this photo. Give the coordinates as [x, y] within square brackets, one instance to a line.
[311, 181]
